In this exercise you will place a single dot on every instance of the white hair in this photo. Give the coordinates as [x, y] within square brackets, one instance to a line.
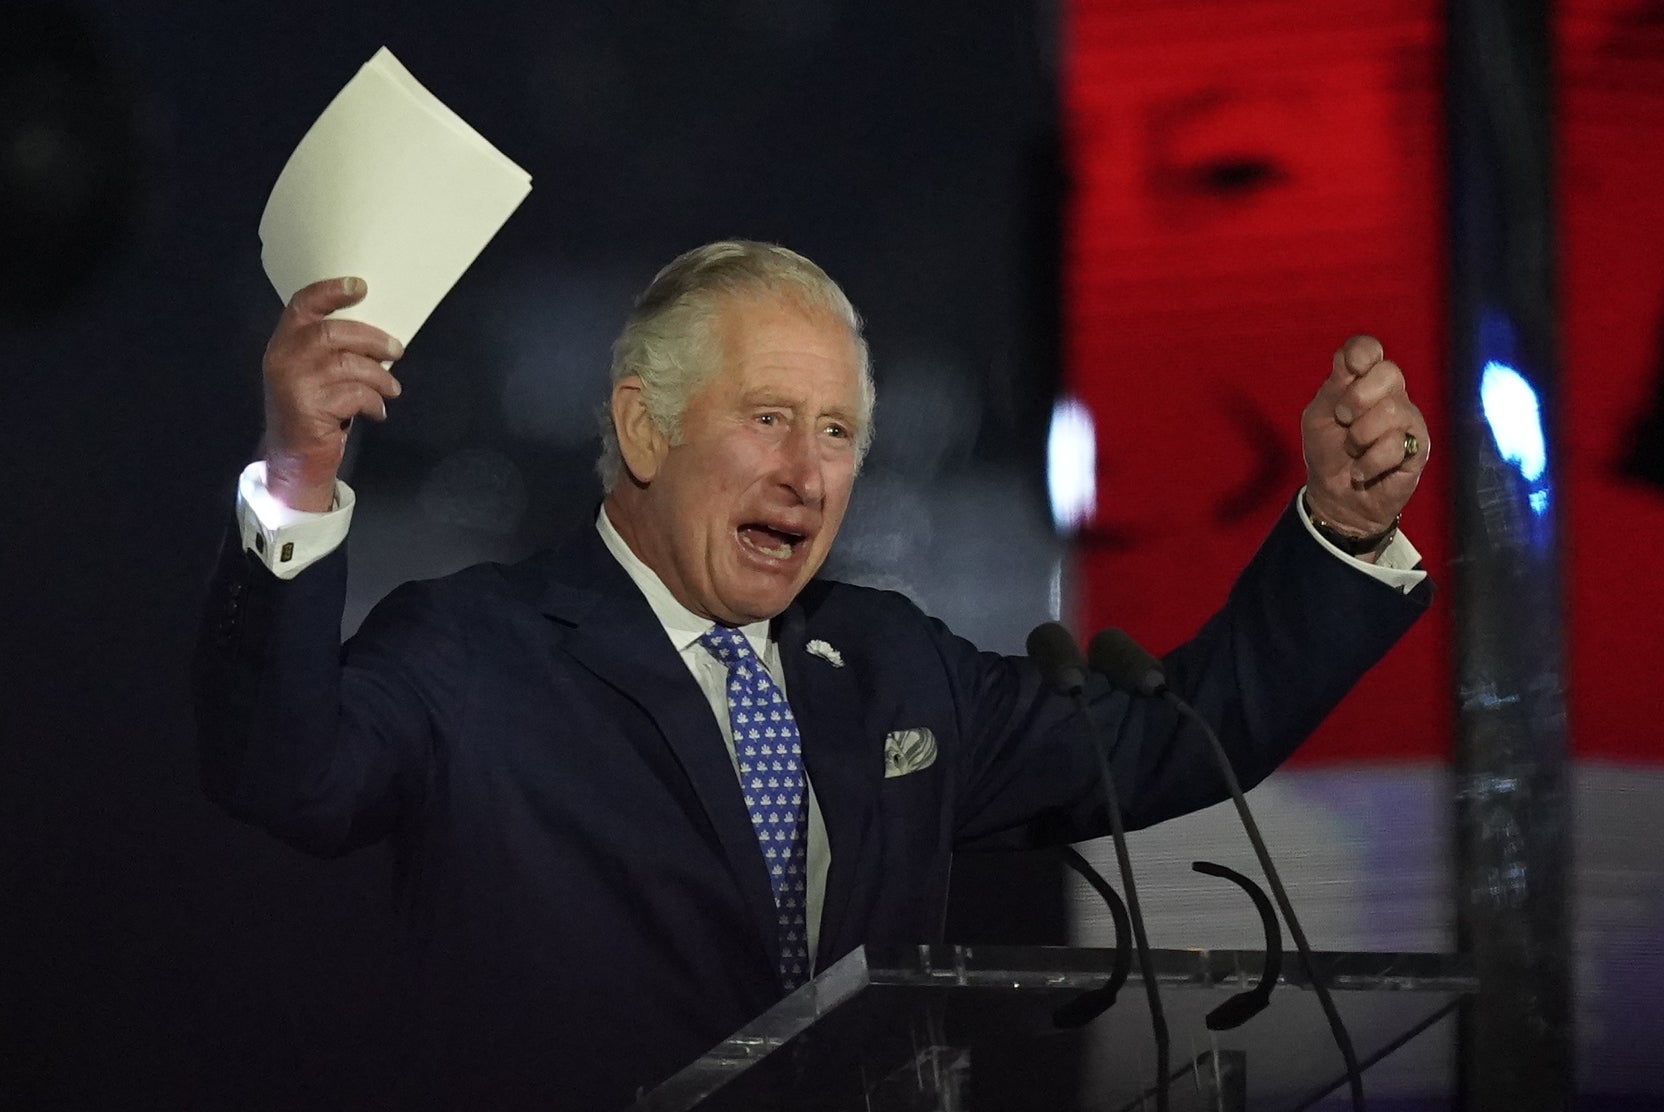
[668, 341]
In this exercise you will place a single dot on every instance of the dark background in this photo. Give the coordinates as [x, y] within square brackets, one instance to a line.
[155, 953]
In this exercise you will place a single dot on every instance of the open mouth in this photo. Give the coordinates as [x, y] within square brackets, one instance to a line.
[769, 540]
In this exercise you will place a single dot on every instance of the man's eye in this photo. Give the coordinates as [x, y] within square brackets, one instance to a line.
[838, 431]
[767, 418]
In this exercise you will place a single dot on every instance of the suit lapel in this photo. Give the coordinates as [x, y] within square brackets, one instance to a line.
[845, 770]
[615, 635]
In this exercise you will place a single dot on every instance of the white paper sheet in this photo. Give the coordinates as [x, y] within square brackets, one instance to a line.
[391, 186]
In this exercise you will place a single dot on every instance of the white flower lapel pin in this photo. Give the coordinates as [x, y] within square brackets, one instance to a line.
[826, 652]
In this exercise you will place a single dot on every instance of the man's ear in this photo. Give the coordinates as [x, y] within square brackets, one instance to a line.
[640, 442]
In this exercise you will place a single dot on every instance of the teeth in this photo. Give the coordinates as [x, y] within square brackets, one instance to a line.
[782, 551]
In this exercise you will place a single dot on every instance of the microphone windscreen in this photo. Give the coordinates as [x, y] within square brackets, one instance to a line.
[1054, 651]
[1125, 663]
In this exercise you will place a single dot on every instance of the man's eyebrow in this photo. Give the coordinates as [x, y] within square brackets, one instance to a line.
[768, 396]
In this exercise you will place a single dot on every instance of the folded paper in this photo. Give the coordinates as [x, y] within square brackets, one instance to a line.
[391, 186]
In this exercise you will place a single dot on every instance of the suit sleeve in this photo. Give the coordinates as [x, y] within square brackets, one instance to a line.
[326, 746]
[1296, 633]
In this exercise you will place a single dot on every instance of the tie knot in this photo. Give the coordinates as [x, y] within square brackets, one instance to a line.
[727, 645]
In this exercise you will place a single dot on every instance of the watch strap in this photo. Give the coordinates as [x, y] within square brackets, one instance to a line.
[1348, 543]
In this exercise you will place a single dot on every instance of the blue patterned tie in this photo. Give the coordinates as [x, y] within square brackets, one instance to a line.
[771, 778]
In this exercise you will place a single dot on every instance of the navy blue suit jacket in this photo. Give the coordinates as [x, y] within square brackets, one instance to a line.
[587, 905]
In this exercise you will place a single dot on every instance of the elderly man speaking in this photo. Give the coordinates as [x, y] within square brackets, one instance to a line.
[642, 785]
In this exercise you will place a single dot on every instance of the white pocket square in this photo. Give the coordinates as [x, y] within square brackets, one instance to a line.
[908, 751]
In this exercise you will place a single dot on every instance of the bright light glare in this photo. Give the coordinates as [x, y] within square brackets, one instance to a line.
[1072, 465]
[1516, 422]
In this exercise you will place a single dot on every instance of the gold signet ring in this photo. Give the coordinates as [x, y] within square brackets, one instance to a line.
[1412, 446]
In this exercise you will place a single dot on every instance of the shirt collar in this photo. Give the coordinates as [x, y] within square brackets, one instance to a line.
[681, 625]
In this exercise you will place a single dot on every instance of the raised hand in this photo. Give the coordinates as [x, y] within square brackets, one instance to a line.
[1365, 442]
[320, 373]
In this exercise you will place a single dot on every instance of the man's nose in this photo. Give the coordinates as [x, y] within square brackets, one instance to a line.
[802, 465]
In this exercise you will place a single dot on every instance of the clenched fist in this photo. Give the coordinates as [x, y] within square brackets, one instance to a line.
[1365, 442]
[320, 373]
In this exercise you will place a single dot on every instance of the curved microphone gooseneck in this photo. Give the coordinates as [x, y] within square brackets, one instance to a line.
[1127, 666]
[1244, 1006]
[1054, 651]
[1094, 1002]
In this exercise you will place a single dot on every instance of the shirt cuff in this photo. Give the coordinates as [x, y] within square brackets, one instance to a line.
[1395, 566]
[288, 541]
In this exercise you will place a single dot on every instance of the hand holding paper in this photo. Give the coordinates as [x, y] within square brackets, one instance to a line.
[320, 373]
[389, 191]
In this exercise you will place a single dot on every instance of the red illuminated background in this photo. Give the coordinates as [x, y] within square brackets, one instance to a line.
[1255, 181]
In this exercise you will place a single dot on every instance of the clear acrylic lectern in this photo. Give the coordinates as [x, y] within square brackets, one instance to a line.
[950, 1028]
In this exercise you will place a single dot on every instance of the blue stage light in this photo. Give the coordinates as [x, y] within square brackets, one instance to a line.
[1515, 418]
[1516, 421]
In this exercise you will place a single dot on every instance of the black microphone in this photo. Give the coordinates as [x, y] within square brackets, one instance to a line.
[1055, 652]
[1126, 664]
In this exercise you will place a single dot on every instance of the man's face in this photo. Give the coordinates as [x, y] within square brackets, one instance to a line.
[742, 511]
